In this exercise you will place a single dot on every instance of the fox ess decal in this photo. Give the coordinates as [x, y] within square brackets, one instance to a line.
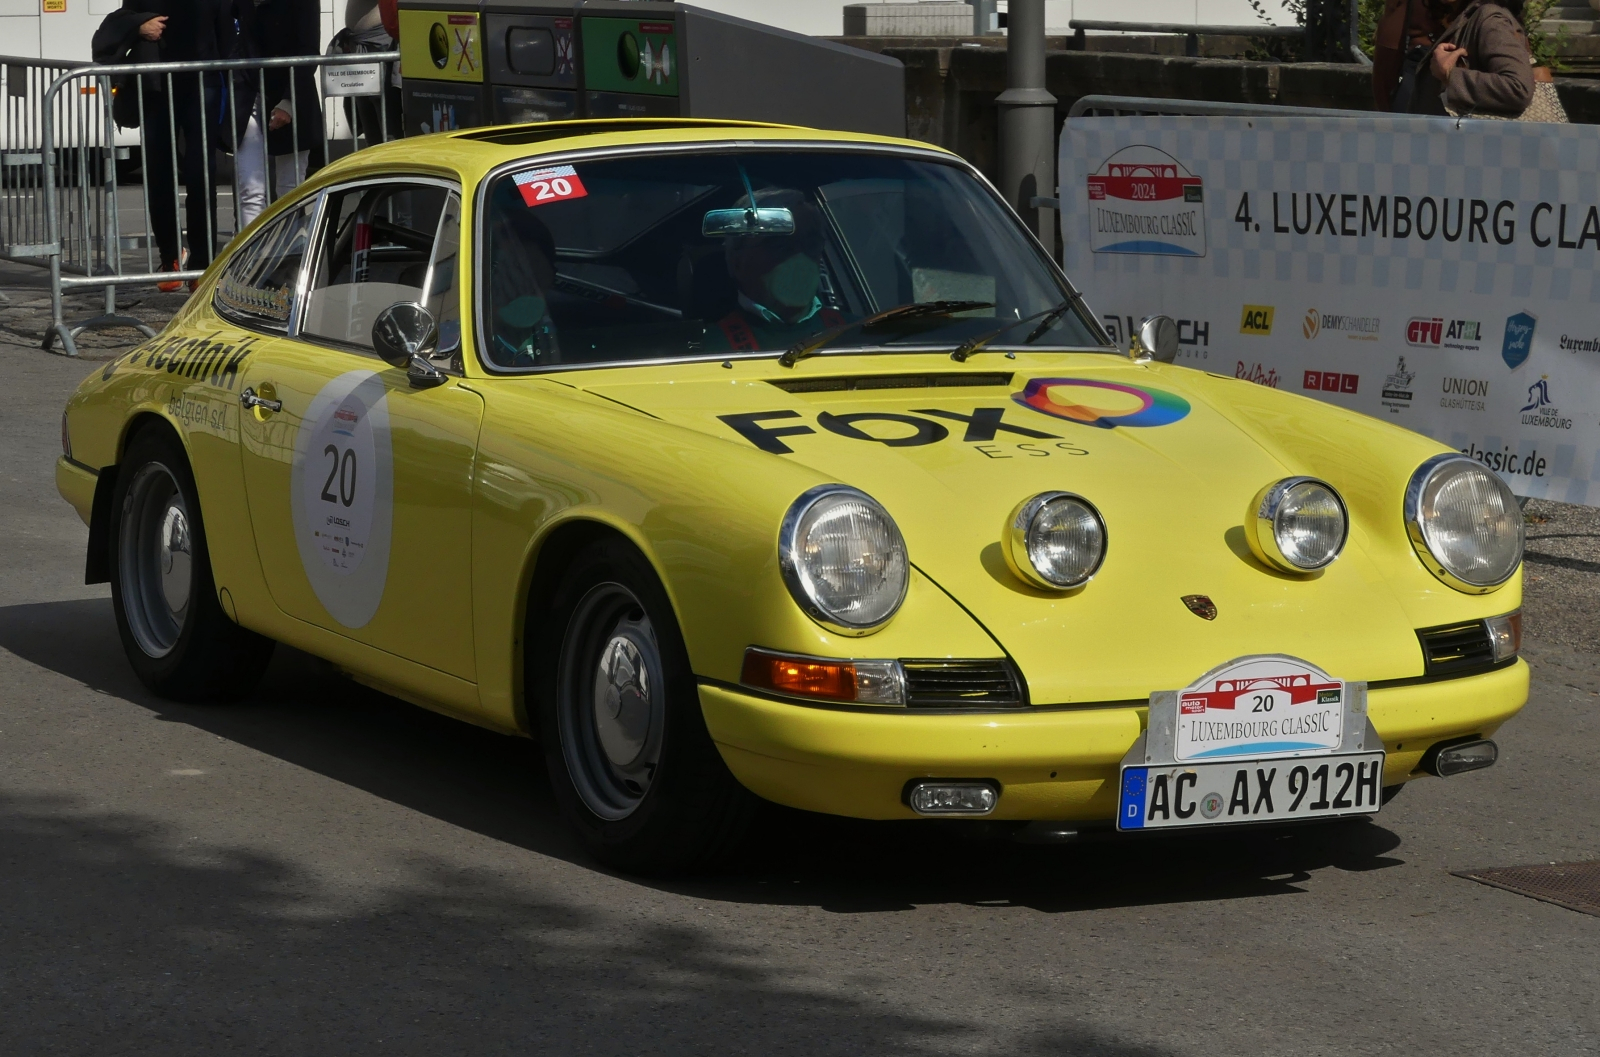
[1104, 404]
[342, 492]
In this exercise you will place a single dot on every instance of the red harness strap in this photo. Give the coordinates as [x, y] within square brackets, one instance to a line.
[737, 331]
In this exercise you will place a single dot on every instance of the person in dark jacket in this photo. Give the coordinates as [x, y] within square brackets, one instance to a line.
[1481, 63]
[290, 111]
[1407, 28]
[173, 124]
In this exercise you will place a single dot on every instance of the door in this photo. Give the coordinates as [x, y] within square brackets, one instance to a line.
[359, 486]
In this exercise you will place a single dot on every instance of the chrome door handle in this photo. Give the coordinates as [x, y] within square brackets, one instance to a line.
[249, 399]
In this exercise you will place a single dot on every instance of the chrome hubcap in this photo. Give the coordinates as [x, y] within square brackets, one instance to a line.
[156, 556]
[612, 704]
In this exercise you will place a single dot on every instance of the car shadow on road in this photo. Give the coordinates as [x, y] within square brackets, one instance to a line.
[308, 714]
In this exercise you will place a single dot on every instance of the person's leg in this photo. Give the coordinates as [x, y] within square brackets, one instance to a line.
[250, 172]
[160, 178]
[199, 174]
[290, 172]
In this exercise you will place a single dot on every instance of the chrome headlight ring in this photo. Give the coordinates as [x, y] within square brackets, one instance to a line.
[1264, 525]
[800, 567]
[1018, 550]
[1422, 490]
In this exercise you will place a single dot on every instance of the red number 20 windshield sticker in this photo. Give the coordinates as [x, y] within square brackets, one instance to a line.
[542, 186]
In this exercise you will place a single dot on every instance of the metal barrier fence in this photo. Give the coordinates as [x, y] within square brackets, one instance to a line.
[65, 162]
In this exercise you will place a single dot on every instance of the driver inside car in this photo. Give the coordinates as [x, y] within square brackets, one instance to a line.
[522, 273]
[779, 281]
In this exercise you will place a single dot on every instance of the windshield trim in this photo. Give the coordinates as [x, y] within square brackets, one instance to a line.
[479, 243]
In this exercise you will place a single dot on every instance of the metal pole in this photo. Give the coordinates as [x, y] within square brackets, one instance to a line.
[1027, 121]
[983, 12]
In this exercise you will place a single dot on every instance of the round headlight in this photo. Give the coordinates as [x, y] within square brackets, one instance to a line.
[843, 559]
[1055, 540]
[1464, 522]
[1298, 524]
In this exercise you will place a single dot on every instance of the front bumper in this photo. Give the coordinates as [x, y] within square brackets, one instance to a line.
[76, 483]
[1051, 764]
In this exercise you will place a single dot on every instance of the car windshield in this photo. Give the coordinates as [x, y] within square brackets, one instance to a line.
[748, 253]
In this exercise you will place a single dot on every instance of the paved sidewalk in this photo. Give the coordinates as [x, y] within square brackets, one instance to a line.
[25, 312]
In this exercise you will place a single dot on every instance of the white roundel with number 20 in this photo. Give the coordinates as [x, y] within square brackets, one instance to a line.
[342, 492]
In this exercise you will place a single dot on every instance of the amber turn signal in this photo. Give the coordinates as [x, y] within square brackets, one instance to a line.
[823, 678]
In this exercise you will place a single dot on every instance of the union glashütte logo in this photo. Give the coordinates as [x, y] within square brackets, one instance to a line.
[1143, 201]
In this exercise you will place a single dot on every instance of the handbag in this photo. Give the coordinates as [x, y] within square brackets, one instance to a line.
[1544, 106]
[1413, 61]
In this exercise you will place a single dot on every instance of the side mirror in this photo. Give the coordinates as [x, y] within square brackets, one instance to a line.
[404, 335]
[1158, 339]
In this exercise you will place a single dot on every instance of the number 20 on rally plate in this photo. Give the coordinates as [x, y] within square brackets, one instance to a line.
[543, 186]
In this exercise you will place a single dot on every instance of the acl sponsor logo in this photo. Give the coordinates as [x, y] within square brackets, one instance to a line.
[1540, 410]
[1357, 328]
[1464, 393]
[1256, 319]
[1433, 332]
[1518, 340]
[1330, 381]
[1143, 201]
[1397, 387]
[1256, 373]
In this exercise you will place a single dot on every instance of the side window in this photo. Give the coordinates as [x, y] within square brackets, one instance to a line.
[263, 279]
[374, 250]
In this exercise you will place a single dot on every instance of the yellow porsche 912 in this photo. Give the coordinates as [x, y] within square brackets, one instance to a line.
[737, 461]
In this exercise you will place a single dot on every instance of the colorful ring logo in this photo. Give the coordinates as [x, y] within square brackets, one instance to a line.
[1155, 407]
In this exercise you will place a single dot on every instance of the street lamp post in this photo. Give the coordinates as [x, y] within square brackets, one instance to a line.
[1027, 121]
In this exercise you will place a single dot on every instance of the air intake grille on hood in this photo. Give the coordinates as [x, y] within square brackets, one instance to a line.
[962, 684]
[953, 379]
[1456, 648]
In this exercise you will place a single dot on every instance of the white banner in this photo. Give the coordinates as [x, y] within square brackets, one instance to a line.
[1437, 274]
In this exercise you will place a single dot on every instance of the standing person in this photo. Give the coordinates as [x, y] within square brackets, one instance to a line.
[291, 109]
[365, 30]
[1481, 63]
[1406, 31]
[173, 138]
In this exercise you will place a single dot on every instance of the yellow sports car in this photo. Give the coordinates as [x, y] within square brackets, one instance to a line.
[738, 461]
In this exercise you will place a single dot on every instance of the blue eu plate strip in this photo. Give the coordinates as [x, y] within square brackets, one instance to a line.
[1133, 790]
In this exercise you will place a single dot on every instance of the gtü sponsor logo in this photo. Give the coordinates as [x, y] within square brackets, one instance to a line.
[1435, 331]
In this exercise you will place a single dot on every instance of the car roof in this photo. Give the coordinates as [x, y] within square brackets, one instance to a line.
[473, 152]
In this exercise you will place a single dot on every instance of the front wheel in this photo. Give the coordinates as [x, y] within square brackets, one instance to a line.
[630, 759]
[178, 639]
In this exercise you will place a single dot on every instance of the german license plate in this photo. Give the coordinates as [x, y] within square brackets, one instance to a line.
[1170, 796]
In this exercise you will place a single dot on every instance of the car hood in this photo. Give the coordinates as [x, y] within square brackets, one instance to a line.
[1172, 458]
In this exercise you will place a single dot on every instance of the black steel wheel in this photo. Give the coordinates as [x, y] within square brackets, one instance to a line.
[631, 762]
[180, 642]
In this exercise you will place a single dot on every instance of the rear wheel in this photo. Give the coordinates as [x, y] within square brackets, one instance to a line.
[178, 639]
[630, 759]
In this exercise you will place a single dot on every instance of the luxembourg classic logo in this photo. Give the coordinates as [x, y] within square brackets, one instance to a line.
[1519, 339]
[1103, 404]
[1143, 201]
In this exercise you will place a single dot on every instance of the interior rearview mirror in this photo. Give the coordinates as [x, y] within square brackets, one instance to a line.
[767, 220]
[405, 335]
[1158, 339]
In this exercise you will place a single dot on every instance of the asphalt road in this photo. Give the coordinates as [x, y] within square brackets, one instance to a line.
[322, 870]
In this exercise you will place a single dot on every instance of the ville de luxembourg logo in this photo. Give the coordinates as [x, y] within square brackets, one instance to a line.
[1143, 201]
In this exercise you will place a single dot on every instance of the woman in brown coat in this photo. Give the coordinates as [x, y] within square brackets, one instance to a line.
[1480, 63]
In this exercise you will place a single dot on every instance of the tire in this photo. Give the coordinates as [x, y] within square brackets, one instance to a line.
[178, 639]
[632, 765]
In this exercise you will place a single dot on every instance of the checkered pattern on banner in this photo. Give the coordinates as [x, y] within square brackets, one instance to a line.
[1393, 279]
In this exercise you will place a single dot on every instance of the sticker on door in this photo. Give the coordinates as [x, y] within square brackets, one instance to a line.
[342, 492]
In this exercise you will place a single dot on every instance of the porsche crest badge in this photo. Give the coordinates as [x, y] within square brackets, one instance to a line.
[1201, 606]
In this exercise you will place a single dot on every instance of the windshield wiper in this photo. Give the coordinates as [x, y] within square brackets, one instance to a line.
[916, 310]
[1050, 315]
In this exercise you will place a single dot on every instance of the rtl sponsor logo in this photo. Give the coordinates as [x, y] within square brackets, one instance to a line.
[1330, 382]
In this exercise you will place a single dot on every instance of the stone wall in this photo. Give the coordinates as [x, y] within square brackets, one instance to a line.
[951, 86]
